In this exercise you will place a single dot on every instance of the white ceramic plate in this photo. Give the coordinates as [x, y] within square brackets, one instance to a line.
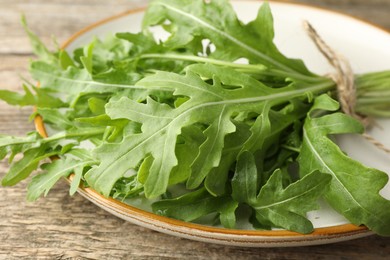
[364, 45]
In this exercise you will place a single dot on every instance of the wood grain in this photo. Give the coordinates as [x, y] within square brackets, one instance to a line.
[64, 227]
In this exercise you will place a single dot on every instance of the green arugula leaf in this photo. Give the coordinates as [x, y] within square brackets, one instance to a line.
[286, 208]
[245, 180]
[38, 47]
[35, 149]
[23, 168]
[231, 38]
[42, 183]
[275, 205]
[13, 98]
[65, 60]
[194, 205]
[354, 189]
[15, 145]
[127, 187]
[145, 47]
[41, 98]
[33, 153]
[186, 151]
[79, 154]
[217, 181]
[75, 82]
[227, 213]
[76, 181]
[56, 118]
[87, 59]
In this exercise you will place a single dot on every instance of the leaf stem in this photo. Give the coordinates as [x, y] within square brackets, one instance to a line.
[373, 93]
[249, 68]
[291, 148]
[64, 135]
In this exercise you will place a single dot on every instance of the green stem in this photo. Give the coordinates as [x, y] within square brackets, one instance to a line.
[373, 93]
[248, 68]
[65, 135]
[374, 100]
[291, 148]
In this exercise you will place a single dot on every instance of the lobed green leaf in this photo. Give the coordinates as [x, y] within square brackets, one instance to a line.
[354, 188]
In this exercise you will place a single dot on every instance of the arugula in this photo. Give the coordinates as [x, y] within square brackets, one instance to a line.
[212, 105]
[345, 194]
[232, 39]
[275, 205]
[194, 205]
[181, 122]
[42, 183]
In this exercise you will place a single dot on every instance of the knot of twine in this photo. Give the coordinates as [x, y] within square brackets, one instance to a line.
[345, 83]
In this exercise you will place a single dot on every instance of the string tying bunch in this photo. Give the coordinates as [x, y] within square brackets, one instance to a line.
[345, 82]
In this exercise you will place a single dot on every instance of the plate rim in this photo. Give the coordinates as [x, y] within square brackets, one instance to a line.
[236, 237]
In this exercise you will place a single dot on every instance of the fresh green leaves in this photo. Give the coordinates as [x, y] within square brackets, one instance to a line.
[274, 204]
[354, 188]
[35, 149]
[287, 207]
[194, 205]
[42, 183]
[213, 105]
[218, 23]
[245, 180]
[181, 122]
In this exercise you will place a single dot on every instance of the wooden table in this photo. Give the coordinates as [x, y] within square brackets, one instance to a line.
[64, 227]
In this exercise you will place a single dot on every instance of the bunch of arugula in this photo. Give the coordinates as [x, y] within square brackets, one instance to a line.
[133, 116]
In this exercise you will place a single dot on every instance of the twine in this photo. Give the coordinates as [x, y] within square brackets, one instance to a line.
[345, 83]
